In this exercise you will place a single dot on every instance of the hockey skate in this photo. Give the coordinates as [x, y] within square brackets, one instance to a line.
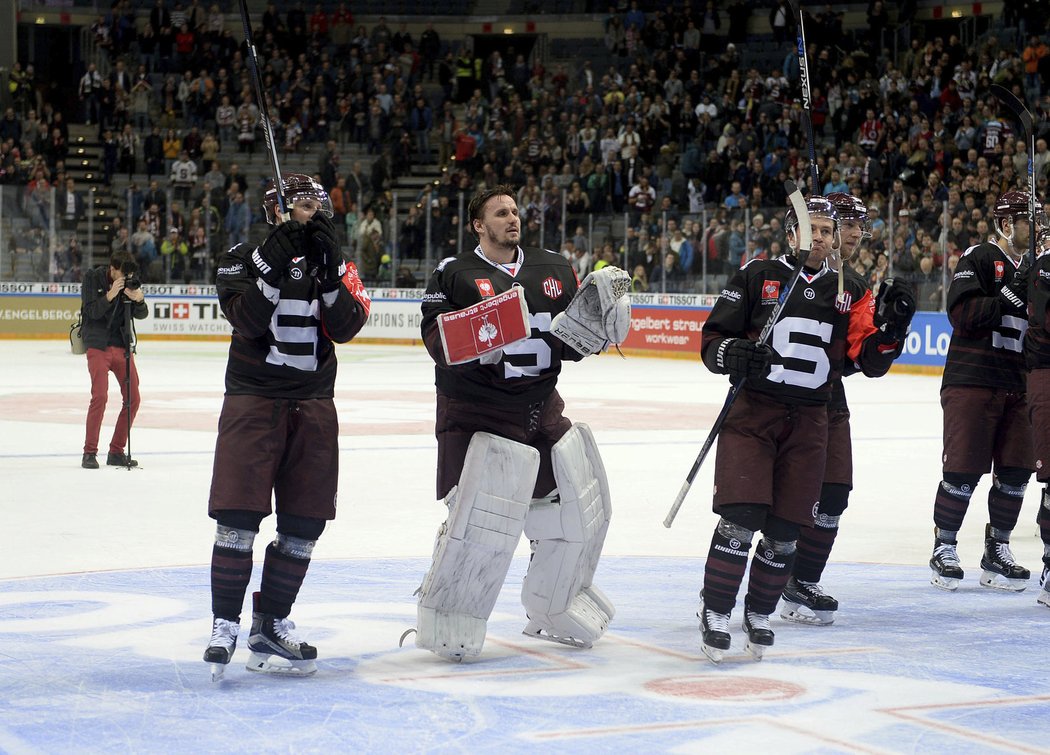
[759, 634]
[276, 649]
[947, 572]
[220, 648]
[807, 603]
[714, 634]
[1001, 571]
[1044, 583]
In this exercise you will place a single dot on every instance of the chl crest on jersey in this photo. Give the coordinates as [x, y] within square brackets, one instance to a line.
[552, 287]
[485, 287]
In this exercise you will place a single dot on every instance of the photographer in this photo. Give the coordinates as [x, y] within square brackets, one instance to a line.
[107, 337]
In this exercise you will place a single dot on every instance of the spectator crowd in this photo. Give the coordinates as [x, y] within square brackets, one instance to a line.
[667, 154]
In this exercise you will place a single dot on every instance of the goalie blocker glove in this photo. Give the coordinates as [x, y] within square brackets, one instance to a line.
[894, 308]
[741, 358]
[270, 259]
[599, 313]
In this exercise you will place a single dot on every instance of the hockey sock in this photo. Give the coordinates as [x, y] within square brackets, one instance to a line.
[1043, 520]
[770, 571]
[287, 559]
[231, 570]
[953, 498]
[815, 543]
[726, 562]
[1005, 498]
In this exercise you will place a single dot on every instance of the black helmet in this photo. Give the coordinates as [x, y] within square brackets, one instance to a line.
[296, 186]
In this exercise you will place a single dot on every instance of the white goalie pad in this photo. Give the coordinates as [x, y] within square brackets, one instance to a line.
[567, 534]
[475, 544]
[599, 313]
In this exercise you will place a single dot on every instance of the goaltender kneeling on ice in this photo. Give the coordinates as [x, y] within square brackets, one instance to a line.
[498, 322]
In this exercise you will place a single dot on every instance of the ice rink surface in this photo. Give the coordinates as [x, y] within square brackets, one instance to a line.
[104, 607]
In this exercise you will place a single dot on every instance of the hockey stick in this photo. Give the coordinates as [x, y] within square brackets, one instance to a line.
[271, 142]
[1024, 115]
[805, 236]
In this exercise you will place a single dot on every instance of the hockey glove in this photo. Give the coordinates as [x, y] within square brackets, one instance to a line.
[742, 358]
[599, 313]
[323, 252]
[894, 308]
[271, 258]
[1012, 296]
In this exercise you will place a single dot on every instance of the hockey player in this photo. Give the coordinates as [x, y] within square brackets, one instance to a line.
[508, 459]
[773, 445]
[805, 601]
[1037, 356]
[288, 300]
[986, 423]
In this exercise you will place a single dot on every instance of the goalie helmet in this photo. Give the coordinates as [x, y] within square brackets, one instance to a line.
[296, 186]
[850, 207]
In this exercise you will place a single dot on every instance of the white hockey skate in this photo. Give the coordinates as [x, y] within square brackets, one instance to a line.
[714, 634]
[220, 648]
[276, 649]
[1000, 570]
[807, 603]
[759, 634]
[944, 564]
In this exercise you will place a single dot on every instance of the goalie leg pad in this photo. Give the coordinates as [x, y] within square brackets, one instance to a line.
[567, 533]
[475, 544]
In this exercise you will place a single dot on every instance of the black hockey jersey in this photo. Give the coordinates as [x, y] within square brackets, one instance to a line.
[528, 371]
[1037, 337]
[283, 348]
[988, 332]
[811, 338]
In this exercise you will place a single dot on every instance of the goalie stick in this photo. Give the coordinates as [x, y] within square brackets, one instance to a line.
[1024, 115]
[805, 236]
[271, 142]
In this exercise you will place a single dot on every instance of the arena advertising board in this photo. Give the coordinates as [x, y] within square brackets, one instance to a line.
[661, 324]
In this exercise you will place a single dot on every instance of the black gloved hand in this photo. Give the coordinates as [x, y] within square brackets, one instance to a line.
[323, 252]
[742, 358]
[1014, 294]
[271, 259]
[894, 308]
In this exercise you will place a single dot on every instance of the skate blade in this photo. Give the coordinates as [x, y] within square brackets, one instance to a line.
[999, 582]
[797, 613]
[542, 634]
[754, 650]
[1044, 598]
[715, 655]
[272, 664]
[217, 671]
[951, 584]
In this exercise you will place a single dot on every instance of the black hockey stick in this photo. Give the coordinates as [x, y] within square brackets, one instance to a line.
[807, 100]
[1024, 115]
[271, 142]
[805, 236]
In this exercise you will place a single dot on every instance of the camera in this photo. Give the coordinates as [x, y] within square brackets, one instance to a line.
[130, 271]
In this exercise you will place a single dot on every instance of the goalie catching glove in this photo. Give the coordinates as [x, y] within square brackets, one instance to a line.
[599, 314]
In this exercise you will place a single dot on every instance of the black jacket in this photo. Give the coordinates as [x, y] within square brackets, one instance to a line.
[104, 320]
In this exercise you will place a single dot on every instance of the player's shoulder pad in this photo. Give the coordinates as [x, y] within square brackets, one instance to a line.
[232, 264]
[444, 263]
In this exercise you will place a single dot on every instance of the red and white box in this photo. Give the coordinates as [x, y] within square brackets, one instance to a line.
[494, 323]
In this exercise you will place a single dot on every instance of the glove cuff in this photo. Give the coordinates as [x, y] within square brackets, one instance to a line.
[720, 355]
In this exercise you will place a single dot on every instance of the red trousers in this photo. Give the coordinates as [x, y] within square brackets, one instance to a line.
[100, 363]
